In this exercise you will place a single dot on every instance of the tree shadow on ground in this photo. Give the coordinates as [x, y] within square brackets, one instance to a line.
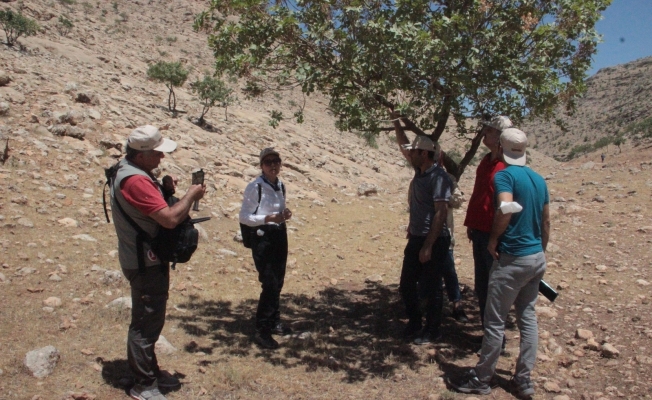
[205, 125]
[357, 330]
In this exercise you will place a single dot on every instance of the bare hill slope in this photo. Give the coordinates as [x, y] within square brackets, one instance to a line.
[617, 101]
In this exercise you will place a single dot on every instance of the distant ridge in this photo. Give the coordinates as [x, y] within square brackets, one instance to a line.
[618, 102]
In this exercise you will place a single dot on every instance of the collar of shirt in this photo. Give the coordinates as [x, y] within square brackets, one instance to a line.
[276, 186]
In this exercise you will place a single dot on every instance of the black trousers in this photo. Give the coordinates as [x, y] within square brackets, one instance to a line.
[149, 295]
[428, 274]
[270, 253]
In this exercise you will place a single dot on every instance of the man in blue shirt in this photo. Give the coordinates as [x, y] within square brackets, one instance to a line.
[517, 242]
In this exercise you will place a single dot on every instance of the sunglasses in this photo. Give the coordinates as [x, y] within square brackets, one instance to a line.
[273, 161]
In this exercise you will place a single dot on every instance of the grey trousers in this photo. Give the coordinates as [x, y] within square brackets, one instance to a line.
[149, 295]
[513, 280]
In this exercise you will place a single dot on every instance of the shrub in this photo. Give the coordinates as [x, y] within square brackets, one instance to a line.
[16, 25]
[172, 74]
[211, 92]
[643, 127]
[64, 26]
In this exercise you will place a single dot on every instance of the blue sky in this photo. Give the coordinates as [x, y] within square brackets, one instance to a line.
[626, 28]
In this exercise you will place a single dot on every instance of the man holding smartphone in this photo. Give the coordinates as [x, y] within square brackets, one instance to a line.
[136, 197]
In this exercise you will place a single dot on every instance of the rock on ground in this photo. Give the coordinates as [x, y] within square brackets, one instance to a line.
[42, 361]
[120, 303]
[162, 346]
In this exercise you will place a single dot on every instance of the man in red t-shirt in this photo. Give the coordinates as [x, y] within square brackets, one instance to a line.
[137, 198]
[480, 211]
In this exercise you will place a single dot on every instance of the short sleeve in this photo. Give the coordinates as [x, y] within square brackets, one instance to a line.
[503, 182]
[443, 188]
[142, 193]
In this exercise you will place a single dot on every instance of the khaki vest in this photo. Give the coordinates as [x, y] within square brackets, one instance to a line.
[127, 251]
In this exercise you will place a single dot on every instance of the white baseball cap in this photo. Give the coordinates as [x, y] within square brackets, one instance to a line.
[513, 141]
[148, 137]
[423, 143]
[500, 123]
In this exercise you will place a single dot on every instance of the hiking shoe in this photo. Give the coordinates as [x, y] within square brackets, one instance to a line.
[266, 341]
[427, 338]
[167, 381]
[459, 315]
[281, 330]
[140, 392]
[522, 390]
[471, 386]
[412, 329]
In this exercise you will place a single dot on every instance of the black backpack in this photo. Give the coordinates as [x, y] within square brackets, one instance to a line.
[247, 231]
[174, 245]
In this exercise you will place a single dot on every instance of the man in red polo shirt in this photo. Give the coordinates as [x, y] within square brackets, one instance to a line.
[480, 211]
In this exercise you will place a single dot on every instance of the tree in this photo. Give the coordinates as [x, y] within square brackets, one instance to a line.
[428, 60]
[212, 91]
[16, 25]
[618, 141]
[172, 74]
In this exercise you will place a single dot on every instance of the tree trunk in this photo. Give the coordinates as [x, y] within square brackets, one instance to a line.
[226, 113]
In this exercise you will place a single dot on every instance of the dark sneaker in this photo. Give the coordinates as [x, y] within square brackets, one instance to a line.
[471, 386]
[167, 381]
[266, 341]
[522, 390]
[411, 329]
[140, 392]
[281, 330]
[459, 315]
[427, 338]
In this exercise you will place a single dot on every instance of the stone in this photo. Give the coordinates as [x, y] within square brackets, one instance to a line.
[3, 279]
[26, 271]
[87, 98]
[112, 277]
[4, 108]
[598, 199]
[367, 189]
[68, 222]
[25, 222]
[583, 334]
[238, 236]
[609, 351]
[120, 303]
[164, 347]
[591, 344]
[228, 252]
[547, 312]
[93, 114]
[84, 237]
[4, 78]
[551, 387]
[41, 362]
[52, 302]
[376, 278]
[642, 282]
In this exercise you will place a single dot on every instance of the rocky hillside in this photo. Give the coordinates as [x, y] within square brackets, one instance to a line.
[618, 102]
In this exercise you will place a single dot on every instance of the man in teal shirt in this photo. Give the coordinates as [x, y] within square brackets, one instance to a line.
[517, 243]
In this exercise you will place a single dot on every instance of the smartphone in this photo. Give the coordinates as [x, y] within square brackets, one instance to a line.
[198, 177]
